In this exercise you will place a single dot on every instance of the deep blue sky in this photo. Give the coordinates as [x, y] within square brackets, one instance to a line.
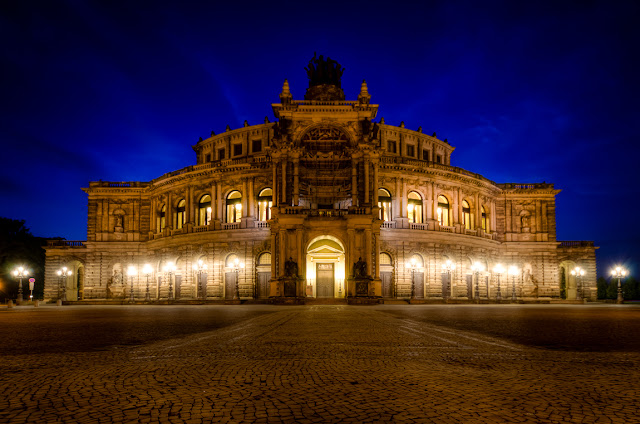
[525, 91]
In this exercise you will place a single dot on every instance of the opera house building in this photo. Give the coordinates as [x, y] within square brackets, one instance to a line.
[327, 201]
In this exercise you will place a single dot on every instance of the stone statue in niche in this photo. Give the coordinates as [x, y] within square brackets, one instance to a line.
[525, 223]
[119, 227]
[360, 268]
[290, 268]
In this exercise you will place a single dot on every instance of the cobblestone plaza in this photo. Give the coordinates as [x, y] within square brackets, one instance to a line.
[322, 363]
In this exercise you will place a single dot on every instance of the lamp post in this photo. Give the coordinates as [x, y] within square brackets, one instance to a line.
[20, 273]
[477, 268]
[412, 264]
[513, 271]
[619, 272]
[498, 270]
[63, 273]
[131, 272]
[237, 265]
[169, 269]
[447, 268]
[200, 268]
[146, 270]
[578, 273]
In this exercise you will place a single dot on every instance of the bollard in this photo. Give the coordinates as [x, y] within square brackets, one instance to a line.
[59, 302]
[36, 303]
[10, 304]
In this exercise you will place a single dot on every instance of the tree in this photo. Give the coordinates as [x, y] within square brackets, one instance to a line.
[630, 289]
[19, 247]
[602, 285]
[612, 289]
[563, 284]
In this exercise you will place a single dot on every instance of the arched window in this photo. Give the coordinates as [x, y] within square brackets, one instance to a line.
[466, 215]
[162, 219]
[264, 204]
[234, 206]
[180, 213]
[414, 208]
[484, 219]
[264, 259]
[204, 210]
[231, 260]
[443, 211]
[384, 203]
[385, 259]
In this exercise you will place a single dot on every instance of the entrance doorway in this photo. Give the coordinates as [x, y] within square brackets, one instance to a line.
[325, 280]
[325, 267]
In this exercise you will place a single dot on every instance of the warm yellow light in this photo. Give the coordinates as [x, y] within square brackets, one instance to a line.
[209, 209]
[132, 270]
[477, 267]
[513, 270]
[498, 269]
[239, 206]
[146, 269]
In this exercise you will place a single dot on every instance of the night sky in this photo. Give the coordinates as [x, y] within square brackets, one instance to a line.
[526, 92]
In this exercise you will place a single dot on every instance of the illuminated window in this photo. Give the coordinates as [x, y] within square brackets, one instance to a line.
[162, 218]
[384, 203]
[180, 213]
[385, 259]
[234, 206]
[414, 207]
[484, 218]
[265, 259]
[204, 210]
[466, 215]
[264, 204]
[443, 211]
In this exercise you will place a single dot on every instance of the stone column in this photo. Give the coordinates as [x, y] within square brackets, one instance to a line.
[296, 187]
[375, 183]
[354, 183]
[168, 217]
[366, 181]
[284, 182]
[367, 250]
[251, 198]
[245, 195]
[153, 225]
[274, 188]
[219, 201]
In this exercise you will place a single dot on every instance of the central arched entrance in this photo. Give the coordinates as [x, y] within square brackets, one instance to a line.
[325, 267]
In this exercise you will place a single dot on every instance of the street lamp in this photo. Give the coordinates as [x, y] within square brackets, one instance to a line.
[200, 268]
[477, 268]
[146, 270]
[169, 269]
[412, 264]
[237, 265]
[131, 271]
[63, 273]
[447, 268]
[619, 272]
[20, 273]
[513, 271]
[578, 273]
[498, 270]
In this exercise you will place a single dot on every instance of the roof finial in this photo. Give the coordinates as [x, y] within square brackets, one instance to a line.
[285, 96]
[364, 97]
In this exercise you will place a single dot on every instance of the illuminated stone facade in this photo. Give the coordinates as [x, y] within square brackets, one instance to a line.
[323, 203]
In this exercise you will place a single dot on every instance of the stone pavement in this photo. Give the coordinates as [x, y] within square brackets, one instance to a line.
[323, 364]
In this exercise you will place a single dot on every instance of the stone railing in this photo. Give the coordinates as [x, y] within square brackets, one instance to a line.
[447, 229]
[66, 243]
[201, 229]
[418, 226]
[231, 226]
[262, 224]
[388, 224]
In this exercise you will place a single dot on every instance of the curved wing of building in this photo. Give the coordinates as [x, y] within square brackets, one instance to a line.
[325, 202]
